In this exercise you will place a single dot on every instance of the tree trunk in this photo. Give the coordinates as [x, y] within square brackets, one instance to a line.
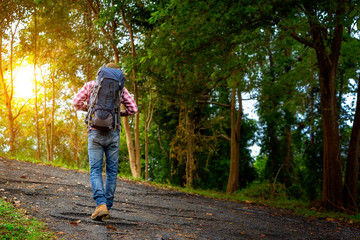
[327, 53]
[233, 180]
[352, 165]
[36, 91]
[287, 162]
[147, 127]
[46, 123]
[130, 146]
[190, 164]
[288, 116]
[7, 98]
[52, 130]
[75, 140]
[332, 175]
[128, 25]
[146, 154]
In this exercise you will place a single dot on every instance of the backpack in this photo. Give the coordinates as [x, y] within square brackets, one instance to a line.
[105, 100]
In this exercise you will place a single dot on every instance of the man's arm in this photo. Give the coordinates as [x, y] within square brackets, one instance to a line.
[81, 100]
[129, 103]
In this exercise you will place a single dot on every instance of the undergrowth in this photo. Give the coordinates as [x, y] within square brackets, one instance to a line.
[14, 224]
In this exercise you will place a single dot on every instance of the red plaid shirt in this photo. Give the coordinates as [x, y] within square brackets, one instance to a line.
[82, 99]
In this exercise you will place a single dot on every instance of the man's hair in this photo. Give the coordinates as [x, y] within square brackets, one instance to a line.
[112, 65]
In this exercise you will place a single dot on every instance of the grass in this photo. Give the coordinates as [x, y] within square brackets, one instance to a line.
[15, 224]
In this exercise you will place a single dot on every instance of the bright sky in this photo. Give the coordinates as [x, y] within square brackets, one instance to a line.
[250, 109]
[24, 82]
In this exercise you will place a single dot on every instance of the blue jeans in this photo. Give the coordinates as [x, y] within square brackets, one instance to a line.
[98, 144]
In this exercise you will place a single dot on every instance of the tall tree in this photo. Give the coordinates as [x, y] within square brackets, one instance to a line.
[127, 20]
[36, 91]
[353, 158]
[349, 65]
[13, 13]
[233, 181]
[325, 22]
[109, 27]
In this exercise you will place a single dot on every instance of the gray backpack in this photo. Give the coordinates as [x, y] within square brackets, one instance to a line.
[105, 100]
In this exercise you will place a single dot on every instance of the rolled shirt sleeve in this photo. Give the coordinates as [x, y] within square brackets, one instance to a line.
[82, 98]
[129, 103]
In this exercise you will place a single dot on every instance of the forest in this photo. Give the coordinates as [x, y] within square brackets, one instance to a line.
[199, 72]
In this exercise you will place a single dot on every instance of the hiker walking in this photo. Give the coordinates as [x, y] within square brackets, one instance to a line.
[101, 98]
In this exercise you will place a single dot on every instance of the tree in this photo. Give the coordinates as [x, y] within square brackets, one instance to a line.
[109, 23]
[323, 32]
[12, 15]
[349, 65]
[37, 127]
[202, 39]
[233, 182]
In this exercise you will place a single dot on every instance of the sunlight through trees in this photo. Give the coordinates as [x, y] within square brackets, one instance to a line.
[189, 65]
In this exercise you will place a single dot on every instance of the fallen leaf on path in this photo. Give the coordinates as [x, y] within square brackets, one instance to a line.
[75, 223]
[111, 227]
[262, 235]
[210, 214]
[17, 203]
[60, 233]
[23, 177]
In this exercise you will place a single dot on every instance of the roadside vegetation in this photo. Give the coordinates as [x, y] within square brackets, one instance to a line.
[16, 224]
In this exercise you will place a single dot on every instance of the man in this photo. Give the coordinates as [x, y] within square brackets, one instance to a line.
[100, 142]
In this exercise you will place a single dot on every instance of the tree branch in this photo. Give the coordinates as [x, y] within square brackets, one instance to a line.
[302, 40]
[215, 103]
[161, 146]
[224, 136]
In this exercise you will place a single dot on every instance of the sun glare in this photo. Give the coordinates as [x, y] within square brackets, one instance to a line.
[24, 82]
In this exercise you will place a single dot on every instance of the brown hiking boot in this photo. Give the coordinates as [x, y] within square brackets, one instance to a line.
[100, 212]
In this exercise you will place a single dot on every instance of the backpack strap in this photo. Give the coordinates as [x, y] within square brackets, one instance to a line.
[118, 106]
[93, 96]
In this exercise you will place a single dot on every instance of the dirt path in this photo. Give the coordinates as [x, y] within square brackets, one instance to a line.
[62, 198]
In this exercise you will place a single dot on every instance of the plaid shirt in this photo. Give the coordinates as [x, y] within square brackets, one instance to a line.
[82, 99]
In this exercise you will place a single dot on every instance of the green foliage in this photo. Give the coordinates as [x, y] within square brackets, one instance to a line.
[189, 55]
[266, 190]
[14, 224]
